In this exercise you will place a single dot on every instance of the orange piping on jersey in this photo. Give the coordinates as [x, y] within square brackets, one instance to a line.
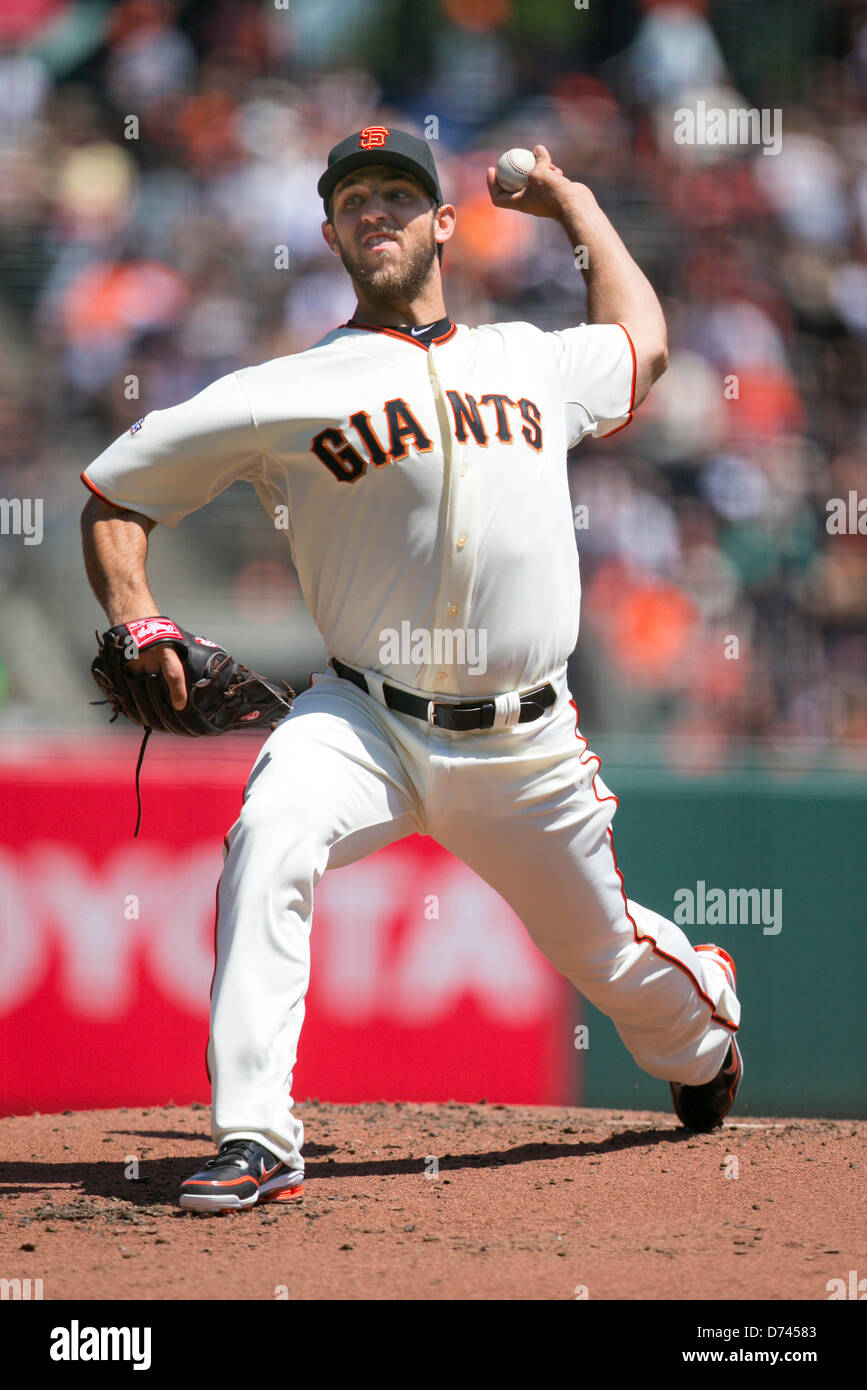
[214, 971]
[403, 337]
[663, 955]
[102, 497]
[639, 939]
[389, 332]
[594, 757]
[634, 367]
[617, 428]
[725, 954]
[628, 419]
[449, 333]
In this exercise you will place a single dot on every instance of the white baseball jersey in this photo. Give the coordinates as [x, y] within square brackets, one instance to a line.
[421, 488]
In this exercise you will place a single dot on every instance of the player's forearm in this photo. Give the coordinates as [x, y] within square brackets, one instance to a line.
[115, 551]
[618, 291]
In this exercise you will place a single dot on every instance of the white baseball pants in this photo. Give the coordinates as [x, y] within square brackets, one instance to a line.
[525, 808]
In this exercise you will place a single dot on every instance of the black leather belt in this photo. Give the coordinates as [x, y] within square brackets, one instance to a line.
[460, 716]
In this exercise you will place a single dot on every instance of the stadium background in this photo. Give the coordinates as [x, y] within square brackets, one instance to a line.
[142, 258]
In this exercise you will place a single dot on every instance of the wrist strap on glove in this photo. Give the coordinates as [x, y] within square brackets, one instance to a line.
[222, 694]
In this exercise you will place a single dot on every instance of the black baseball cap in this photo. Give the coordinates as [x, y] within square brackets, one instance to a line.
[379, 144]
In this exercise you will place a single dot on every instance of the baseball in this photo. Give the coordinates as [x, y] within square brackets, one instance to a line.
[513, 169]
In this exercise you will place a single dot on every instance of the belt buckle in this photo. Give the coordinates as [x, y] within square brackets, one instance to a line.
[431, 713]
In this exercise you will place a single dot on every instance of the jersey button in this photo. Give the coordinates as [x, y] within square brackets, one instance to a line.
[452, 610]
[461, 541]
[441, 675]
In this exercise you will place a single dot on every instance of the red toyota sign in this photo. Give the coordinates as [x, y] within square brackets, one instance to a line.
[424, 984]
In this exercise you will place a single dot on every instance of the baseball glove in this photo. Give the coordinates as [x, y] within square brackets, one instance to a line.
[221, 693]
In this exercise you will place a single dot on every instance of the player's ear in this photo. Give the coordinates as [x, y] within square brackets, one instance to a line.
[330, 238]
[445, 219]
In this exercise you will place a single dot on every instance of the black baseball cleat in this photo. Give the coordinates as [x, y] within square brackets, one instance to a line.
[704, 1108]
[241, 1174]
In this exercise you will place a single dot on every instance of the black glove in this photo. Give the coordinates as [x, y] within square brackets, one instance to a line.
[221, 693]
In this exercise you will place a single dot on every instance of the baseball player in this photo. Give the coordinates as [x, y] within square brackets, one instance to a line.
[421, 464]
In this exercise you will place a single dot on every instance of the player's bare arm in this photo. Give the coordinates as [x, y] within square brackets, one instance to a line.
[115, 554]
[618, 291]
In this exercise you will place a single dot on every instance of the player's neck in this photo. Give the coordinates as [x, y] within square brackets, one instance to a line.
[424, 310]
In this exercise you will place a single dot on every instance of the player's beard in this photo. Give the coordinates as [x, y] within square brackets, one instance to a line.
[394, 285]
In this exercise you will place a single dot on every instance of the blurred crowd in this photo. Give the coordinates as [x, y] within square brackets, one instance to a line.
[159, 226]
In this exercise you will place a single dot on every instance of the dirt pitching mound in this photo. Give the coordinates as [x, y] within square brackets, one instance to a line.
[440, 1202]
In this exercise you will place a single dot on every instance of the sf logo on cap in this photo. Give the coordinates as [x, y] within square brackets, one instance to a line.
[373, 137]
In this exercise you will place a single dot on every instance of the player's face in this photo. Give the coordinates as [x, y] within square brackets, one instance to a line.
[383, 225]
